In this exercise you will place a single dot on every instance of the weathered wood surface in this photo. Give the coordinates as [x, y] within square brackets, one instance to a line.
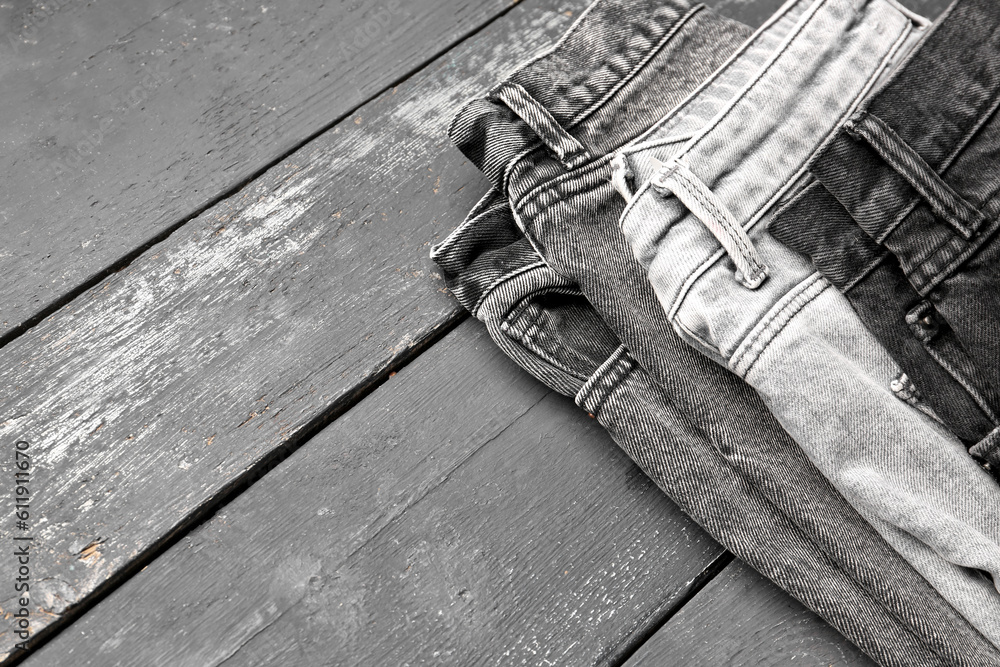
[170, 381]
[743, 620]
[461, 514]
[122, 119]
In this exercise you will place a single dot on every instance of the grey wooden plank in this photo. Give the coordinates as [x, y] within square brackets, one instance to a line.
[461, 514]
[181, 375]
[742, 619]
[122, 119]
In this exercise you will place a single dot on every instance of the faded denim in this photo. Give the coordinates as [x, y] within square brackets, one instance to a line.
[698, 223]
[916, 171]
[560, 297]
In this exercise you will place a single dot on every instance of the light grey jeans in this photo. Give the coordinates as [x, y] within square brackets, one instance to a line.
[706, 180]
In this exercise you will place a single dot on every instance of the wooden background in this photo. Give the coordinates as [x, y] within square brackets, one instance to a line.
[262, 431]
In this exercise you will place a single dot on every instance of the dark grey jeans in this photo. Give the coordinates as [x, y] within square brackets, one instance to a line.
[569, 303]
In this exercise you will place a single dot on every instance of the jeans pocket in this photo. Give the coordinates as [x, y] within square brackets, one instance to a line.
[549, 329]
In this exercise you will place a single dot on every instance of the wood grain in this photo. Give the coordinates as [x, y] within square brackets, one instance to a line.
[176, 378]
[743, 620]
[123, 119]
[461, 514]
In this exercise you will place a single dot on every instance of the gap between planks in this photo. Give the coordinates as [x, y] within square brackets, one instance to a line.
[129, 257]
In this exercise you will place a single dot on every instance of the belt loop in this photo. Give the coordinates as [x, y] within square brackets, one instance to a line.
[567, 149]
[943, 200]
[676, 178]
[620, 174]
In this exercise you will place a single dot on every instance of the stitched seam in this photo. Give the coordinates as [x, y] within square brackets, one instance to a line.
[760, 213]
[545, 187]
[501, 280]
[548, 52]
[959, 377]
[697, 338]
[764, 326]
[534, 246]
[866, 270]
[564, 145]
[946, 251]
[946, 272]
[792, 38]
[624, 81]
[515, 314]
[909, 164]
[531, 332]
[633, 148]
[524, 303]
[519, 319]
[447, 243]
[604, 380]
[775, 333]
[530, 342]
[930, 253]
[832, 132]
[985, 116]
[748, 44]
[741, 240]
[693, 277]
[535, 191]
[684, 20]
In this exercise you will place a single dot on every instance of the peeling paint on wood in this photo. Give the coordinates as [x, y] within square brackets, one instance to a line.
[122, 119]
[409, 533]
[167, 381]
[246, 325]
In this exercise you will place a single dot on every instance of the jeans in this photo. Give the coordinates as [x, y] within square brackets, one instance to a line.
[542, 263]
[911, 178]
[697, 222]
[925, 346]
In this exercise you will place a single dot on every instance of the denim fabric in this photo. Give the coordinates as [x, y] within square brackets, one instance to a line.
[559, 298]
[921, 342]
[698, 223]
[916, 171]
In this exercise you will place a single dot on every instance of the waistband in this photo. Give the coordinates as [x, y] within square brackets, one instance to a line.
[690, 80]
[702, 194]
[596, 65]
[548, 105]
[889, 167]
[815, 224]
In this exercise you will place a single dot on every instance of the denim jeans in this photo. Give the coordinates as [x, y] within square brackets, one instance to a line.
[924, 345]
[697, 221]
[915, 170]
[542, 263]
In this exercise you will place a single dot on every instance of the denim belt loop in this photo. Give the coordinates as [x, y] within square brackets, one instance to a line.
[620, 173]
[563, 145]
[942, 198]
[675, 177]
